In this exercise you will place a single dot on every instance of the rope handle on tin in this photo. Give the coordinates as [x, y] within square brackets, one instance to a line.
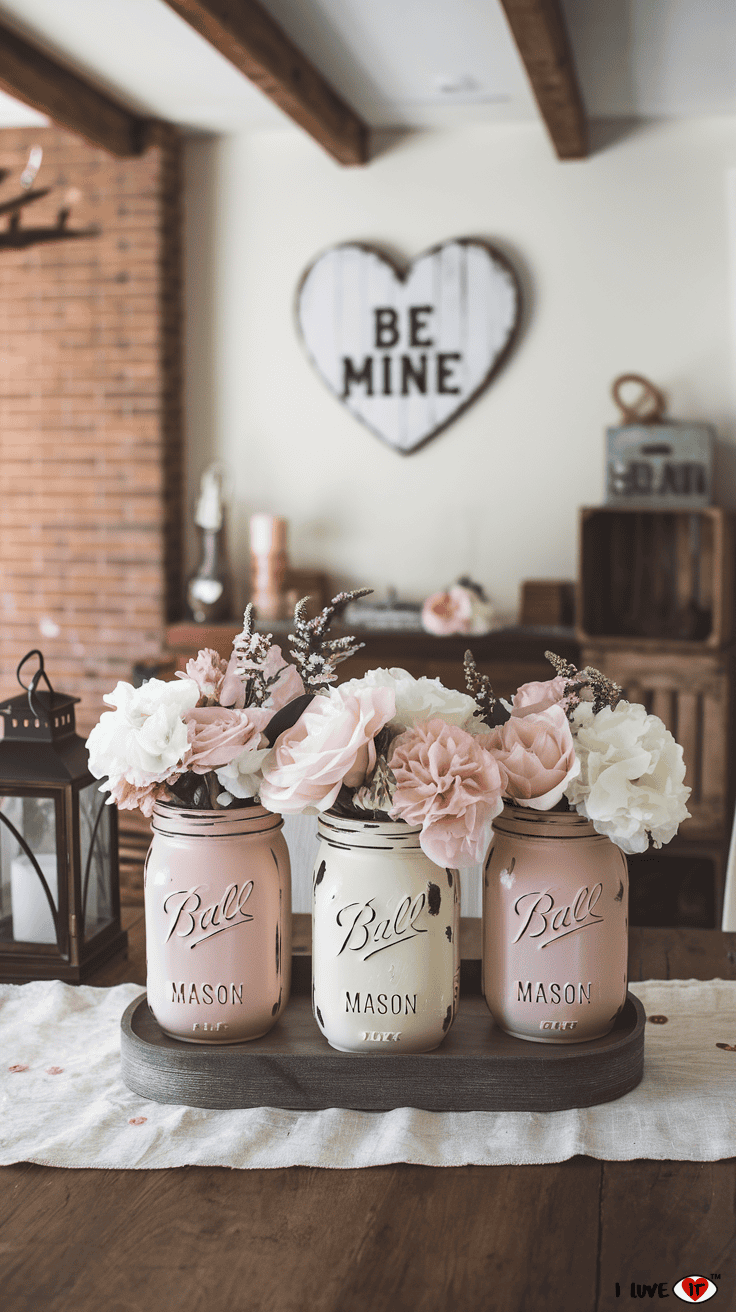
[647, 407]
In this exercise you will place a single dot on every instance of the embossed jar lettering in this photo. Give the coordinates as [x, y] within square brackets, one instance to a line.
[218, 923]
[385, 947]
[554, 927]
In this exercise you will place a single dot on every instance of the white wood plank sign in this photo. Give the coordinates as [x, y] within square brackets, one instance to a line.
[406, 353]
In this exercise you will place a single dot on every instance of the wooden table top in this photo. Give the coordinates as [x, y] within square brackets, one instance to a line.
[553, 1238]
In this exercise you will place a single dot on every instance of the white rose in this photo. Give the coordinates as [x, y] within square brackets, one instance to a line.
[145, 738]
[242, 777]
[631, 775]
[421, 699]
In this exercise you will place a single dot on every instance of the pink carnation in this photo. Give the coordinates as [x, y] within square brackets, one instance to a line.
[536, 755]
[533, 697]
[217, 735]
[207, 671]
[450, 785]
[331, 744]
[129, 797]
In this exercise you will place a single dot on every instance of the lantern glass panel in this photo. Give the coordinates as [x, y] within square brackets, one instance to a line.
[96, 860]
[25, 913]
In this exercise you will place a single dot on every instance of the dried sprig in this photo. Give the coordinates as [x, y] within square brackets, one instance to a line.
[251, 649]
[479, 687]
[565, 669]
[316, 656]
[604, 691]
[377, 793]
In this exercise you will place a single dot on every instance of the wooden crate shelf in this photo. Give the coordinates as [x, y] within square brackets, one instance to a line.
[656, 575]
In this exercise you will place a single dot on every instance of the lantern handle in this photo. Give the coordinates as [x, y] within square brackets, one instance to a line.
[37, 711]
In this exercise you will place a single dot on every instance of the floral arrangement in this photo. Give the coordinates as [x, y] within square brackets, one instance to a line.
[201, 739]
[390, 746]
[573, 743]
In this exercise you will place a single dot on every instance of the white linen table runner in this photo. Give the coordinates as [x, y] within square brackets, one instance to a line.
[64, 1102]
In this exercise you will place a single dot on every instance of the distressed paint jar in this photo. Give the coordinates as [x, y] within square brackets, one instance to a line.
[218, 923]
[555, 927]
[385, 938]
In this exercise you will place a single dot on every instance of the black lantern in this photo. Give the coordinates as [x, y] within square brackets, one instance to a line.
[59, 883]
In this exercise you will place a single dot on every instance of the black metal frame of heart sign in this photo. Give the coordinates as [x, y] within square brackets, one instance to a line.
[406, 352]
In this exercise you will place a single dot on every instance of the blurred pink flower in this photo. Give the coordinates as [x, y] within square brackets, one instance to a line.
[536, 756]
[289, 684]
[330, 744]
[217, 735]
[207, 671]
[450, 785]
[287, 687]
[448, 612]
[533, 697]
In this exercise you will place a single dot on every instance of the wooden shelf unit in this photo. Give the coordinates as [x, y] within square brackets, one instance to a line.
[656, 575]
[656, 613]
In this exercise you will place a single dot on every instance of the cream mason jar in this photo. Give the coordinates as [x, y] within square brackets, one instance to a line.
[385, 938]
[218, 923]
[555, 927]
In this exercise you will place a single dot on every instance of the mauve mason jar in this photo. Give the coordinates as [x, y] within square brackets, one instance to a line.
[555, 927]
[218, 923]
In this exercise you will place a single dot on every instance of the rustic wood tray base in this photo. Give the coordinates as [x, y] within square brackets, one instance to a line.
[476, 1068]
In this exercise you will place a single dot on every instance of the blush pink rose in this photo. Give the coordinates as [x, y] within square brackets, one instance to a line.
[448, 612]
[533, 697]
[450, 785]
[217, 735]
[207, 671]
[286, 689]
[331, 744]
[536, 756]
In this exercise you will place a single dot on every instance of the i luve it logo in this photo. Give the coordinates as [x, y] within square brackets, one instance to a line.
[695, 1289]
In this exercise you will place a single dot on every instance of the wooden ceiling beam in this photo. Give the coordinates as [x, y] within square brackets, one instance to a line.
[246, 35]
[538, 28]
[39, 81]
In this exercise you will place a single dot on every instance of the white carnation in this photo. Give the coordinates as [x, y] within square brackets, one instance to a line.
[421, 699]
[243, 777]
[631, 775]
[145, 738]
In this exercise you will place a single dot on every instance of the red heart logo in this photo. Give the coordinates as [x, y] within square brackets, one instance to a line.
[692, 1288]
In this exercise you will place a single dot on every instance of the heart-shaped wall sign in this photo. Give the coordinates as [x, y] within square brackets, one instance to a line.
[406, 353]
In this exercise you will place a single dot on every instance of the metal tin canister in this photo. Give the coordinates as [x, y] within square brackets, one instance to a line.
[555, 927]
[218, 923]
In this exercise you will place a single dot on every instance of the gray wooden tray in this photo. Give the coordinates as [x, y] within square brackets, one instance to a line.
[477, 1067]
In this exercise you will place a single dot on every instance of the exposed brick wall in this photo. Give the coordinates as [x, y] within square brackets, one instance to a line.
[90, 431]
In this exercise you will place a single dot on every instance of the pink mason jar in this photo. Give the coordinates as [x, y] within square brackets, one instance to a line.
[555, 927]
[218, 923]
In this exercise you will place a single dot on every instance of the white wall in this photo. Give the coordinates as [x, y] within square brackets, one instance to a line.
[625, 264]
